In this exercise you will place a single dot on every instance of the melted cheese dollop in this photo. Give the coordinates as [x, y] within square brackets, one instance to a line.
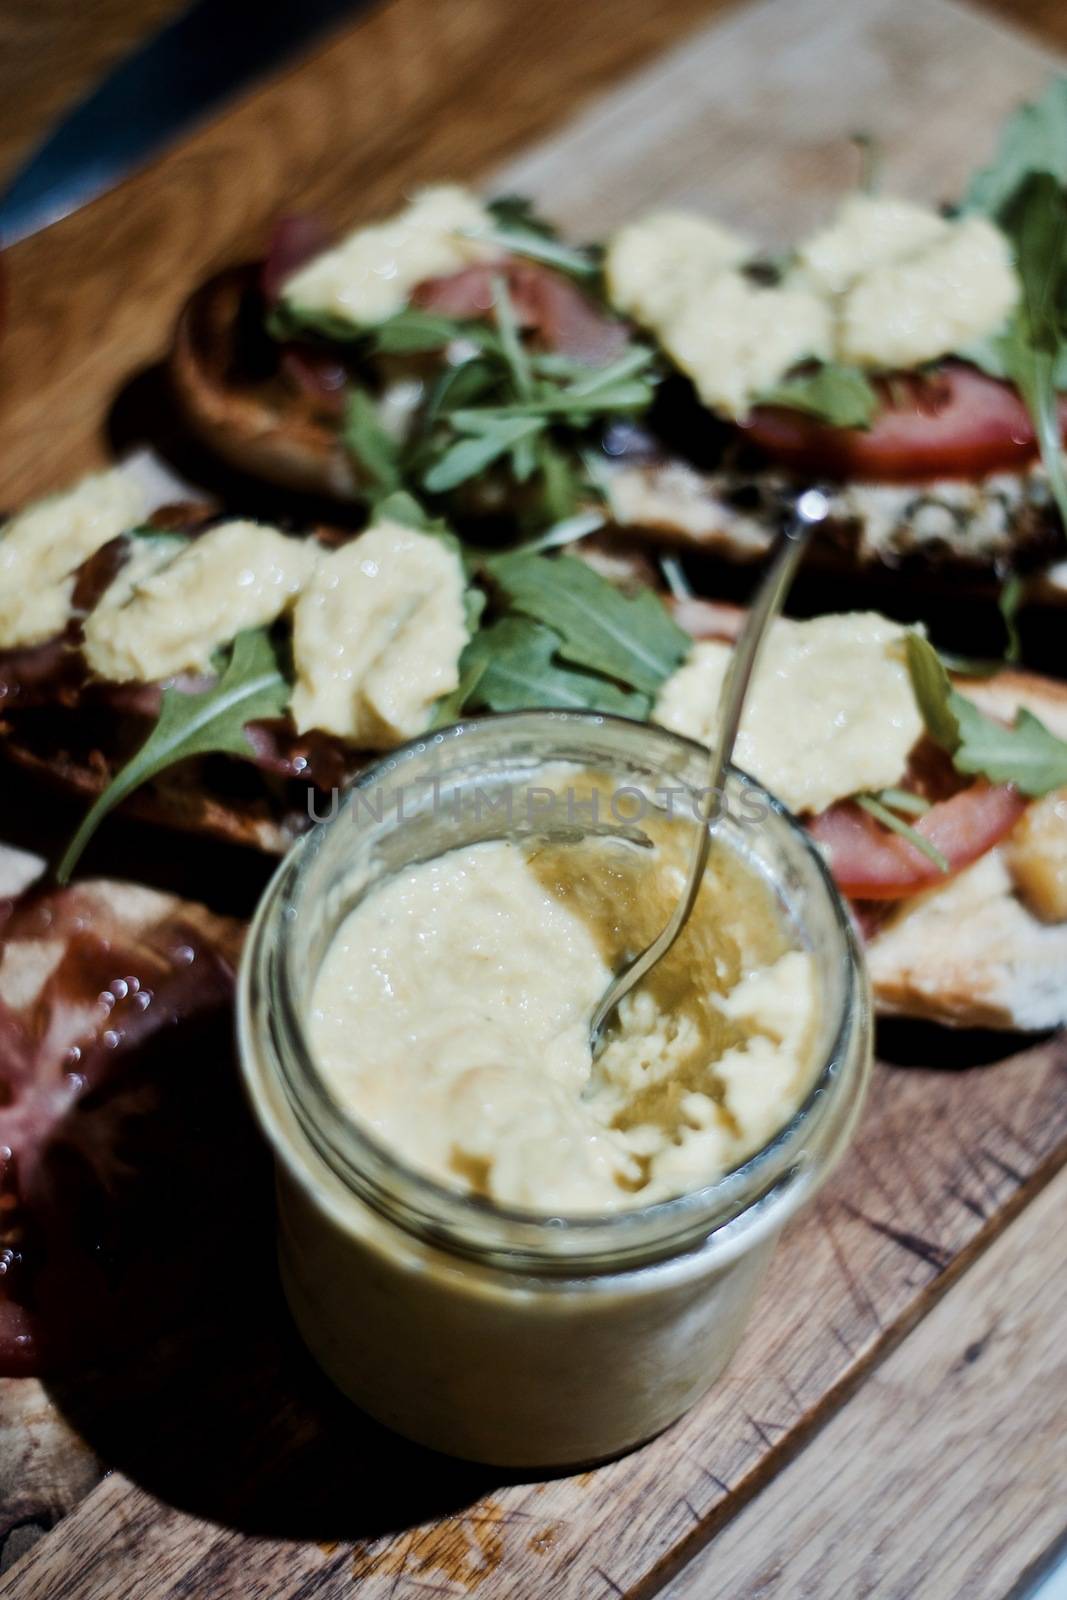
[41, 548]
[677, 275]
[930, 303]
[831, 711]
[736, 339]
[887, 285]
[868, 231]
[370, 275]
[479, 971]
[168, 617]
[655, 265]
[377, 637]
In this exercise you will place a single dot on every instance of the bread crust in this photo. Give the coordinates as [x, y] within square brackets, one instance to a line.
[970, 955]
[260, 425]
[169, 801]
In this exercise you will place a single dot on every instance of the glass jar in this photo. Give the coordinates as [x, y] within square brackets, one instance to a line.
[502, 1336]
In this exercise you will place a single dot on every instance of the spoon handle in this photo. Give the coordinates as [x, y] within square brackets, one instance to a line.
[810, 509]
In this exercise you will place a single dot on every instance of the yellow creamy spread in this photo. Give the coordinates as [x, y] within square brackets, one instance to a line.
[888, 284]
[41, 548]
[451, 1016]
[163, 619]
[377, 636]
[831, 711]
[378, 625]
[371, 274]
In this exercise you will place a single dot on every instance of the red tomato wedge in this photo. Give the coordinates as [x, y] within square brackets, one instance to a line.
[869, 862]
[546, 303]
[953, 423]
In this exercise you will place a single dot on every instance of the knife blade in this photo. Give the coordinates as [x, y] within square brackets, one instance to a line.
[165, 86]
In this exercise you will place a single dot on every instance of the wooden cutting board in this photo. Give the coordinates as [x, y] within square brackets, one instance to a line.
[256, 1480]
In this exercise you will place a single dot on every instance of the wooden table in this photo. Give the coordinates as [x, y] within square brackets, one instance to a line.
[897, 1423]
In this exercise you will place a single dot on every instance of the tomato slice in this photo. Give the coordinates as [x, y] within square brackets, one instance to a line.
[954, 422]
[869, 862]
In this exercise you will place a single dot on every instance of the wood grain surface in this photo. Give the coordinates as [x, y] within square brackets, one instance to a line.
[241, 1474]
[985, 1374]
[422, 89]
[237, 1472]
[52, 53]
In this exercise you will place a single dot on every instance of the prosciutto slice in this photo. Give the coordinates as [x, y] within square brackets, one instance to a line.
[547, 304]
[116, 1083]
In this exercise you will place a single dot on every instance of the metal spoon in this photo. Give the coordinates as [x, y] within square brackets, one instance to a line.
[810, 509]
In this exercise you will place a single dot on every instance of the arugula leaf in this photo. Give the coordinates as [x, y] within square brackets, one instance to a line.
[450, 707]
[990, 355]
[933, 691]
[842, 396]
[972, 666]
[872, 160]
[287, 321]
[567, 531]
[540, 247]
[1027, 754]
[903, 800]
[467, 457]
[365, 439]
[519, 230]
[412, 331]
[519, 671]
[561, 487]
[458, 386]
[626, 396]
[889, 819]
[1012, 594]
[402, 507]
[519, 211]
[153, 535]
[1035, 220]
[1034, 139]
[511, 339]
[633, 639]
[250, 686]
[592, 383]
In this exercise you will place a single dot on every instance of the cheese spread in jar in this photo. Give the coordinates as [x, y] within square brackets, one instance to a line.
[481, 970]
[491, 1248]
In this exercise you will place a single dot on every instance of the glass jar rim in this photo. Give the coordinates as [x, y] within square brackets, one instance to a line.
[471, 1225]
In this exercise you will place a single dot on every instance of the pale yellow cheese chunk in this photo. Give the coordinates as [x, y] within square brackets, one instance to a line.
[451, 1017]
[656, 264]
[236, 576]
[41, 548]
[959, 289]
[831, 711]
[370, 275]
[868, 231]
[736, 339]
[888, 284]
[377, 637]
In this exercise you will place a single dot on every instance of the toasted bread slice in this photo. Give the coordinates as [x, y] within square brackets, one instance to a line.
[236, 399]
[954, 529]
[174, 800]
[970, 954]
